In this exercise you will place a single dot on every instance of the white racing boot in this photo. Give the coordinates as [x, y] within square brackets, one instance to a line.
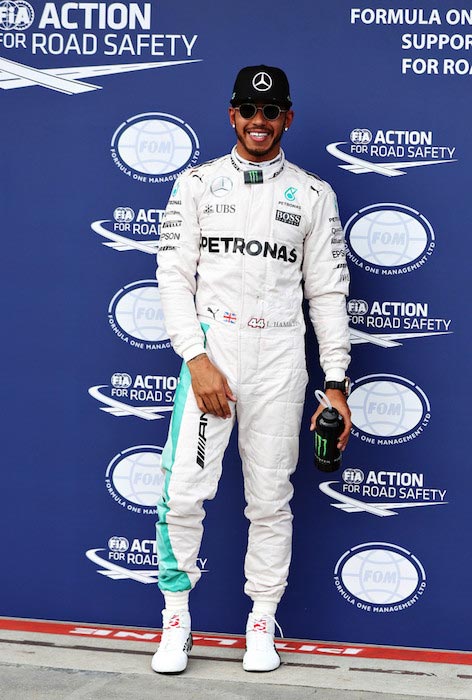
[176, 643]
[261, 654]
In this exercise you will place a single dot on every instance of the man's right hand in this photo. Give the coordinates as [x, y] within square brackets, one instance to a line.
[210, 387]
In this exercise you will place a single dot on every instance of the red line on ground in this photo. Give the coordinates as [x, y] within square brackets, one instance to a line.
[231, 641]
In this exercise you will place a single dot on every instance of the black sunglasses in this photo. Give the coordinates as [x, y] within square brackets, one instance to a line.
[269, 112]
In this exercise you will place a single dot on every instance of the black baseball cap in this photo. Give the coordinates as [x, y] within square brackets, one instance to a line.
[261, 84]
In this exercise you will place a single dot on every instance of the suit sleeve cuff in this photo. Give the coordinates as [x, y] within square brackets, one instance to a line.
[193, 351]
[335, 375]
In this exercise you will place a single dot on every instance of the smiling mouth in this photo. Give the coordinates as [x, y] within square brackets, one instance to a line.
[258, 135]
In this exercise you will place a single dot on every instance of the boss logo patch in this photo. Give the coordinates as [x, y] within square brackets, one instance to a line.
[287, 217]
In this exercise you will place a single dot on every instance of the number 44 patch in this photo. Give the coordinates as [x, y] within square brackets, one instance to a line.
[256, 323]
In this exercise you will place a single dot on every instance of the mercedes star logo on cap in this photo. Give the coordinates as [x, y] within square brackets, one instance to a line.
[262, 81]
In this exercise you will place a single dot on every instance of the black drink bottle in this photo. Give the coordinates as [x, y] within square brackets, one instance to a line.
[329, 426]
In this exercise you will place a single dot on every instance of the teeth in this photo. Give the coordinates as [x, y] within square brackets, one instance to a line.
[258, 134]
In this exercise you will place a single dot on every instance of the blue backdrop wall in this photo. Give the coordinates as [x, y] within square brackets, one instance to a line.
[102, 106]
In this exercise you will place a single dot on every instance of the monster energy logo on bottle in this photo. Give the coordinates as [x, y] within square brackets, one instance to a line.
[321, 445]
[253, 177]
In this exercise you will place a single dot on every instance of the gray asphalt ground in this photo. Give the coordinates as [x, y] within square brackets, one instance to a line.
[37, 666]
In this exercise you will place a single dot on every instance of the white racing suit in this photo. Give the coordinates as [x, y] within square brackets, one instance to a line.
[231, 260]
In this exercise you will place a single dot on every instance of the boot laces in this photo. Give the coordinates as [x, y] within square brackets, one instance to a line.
[173, 636]
[261, 632]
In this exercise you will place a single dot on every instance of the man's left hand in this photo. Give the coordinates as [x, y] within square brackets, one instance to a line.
[339, 402]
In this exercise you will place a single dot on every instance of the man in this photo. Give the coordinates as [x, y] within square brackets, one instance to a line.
[239, 236]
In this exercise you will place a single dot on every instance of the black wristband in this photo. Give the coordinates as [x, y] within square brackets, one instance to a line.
[344, 386]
